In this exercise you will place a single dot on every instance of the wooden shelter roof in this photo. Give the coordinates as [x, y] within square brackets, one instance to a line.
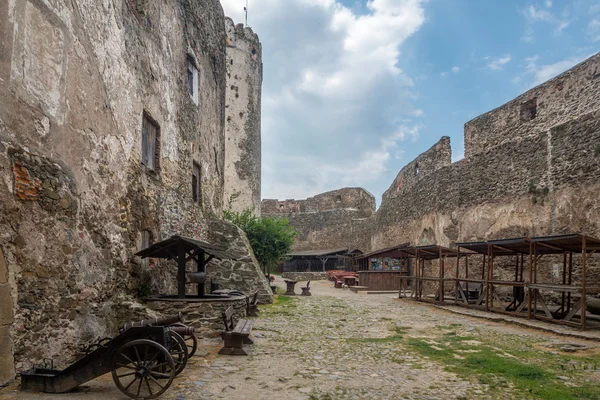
[560, 243]
[168, 248]
[392, 252]
[318, 253]
[509, 247]
[430, 252]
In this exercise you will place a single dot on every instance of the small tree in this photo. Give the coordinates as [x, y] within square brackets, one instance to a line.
[271, 238]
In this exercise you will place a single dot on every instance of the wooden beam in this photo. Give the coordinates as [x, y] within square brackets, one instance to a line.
[181, 271]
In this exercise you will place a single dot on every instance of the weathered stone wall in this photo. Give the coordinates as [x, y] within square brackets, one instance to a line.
[535, 186]
[242, 119]
[76, 79]
[243, 274]
[205, 315]
[331, 220]
[347, 198]
[519, 178]
[438, 156]
[304, 276]
[570, 94]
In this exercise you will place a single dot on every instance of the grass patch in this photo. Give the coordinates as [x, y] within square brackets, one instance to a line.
[532, 373]
[282, 300]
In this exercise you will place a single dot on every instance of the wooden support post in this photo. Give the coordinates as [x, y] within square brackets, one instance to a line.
[569, 280]
[531, 256]
[583, 292]
[487, 281]
[201, 268]
[181, 271]
[564, 281]
[457, 282]
[442, 259]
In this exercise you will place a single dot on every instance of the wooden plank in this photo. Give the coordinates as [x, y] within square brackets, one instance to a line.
[497, 298]
[248, 327]
[543, 304]
[525, 302]
[574, 310]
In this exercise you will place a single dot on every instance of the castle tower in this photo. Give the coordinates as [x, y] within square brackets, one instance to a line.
[242, 119]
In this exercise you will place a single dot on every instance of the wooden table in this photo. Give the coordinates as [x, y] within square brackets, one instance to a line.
[290, 287]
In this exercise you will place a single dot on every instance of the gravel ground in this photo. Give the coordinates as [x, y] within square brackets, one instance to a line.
[333, 345]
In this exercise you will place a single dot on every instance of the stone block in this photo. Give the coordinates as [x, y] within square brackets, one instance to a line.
[3, 268]
[6, 305]
[7, 370]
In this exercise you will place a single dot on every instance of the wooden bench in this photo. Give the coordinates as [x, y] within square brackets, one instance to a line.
[306, 289]
[252, 305]
[235, 335]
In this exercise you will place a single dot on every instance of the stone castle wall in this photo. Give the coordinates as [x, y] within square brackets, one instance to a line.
[519, 178]
[438, 156]
[331, 220]
[77, 80]
[559, 100]
[242, 119]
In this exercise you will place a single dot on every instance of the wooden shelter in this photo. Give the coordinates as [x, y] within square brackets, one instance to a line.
[421, 255]
[318, 260]
[182, 250]
[381, 270]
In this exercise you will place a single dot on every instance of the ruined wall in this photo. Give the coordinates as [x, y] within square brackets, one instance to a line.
[535, 186]
[242, 119]
[438, 156]
[570, 94]
[331, 220]
[519, 178]
[76, 80]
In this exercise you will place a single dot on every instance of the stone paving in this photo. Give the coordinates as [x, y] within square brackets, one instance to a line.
[333, 345]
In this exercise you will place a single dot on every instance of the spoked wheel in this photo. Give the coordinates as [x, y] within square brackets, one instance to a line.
[179, 352]
[143, 369]
[190, 340]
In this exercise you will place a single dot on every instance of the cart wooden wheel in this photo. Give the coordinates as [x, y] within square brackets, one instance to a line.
[179, 352]
[190, 340]
[143, 369]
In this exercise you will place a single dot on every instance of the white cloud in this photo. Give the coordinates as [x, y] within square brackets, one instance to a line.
[499, 62]
[541, 73]
[593, 29]
[336, 102]
[444, 74]
[455, 69]
[535, 14]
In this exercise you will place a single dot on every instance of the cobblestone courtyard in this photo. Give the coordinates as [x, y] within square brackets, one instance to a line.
[341, 345]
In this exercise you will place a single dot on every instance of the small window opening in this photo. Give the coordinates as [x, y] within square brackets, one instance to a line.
[150, 143]
[280, 205]
[196, 181]
[192, 79]
[416, 169]
[338, 198]
[529, 109]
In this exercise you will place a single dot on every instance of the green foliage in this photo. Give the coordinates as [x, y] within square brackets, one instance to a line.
[271, 238]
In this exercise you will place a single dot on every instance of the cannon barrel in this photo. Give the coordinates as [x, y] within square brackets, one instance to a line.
[155, 321]
[183, 330]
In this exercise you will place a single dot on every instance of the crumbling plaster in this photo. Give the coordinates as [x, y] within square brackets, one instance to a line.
[76, 79]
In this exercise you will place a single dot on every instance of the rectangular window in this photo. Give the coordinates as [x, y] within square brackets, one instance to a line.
[529, 109]
[196, 184]
[192, 79]
[150, 148]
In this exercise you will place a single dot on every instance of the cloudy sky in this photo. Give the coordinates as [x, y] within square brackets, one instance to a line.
[355, 89]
